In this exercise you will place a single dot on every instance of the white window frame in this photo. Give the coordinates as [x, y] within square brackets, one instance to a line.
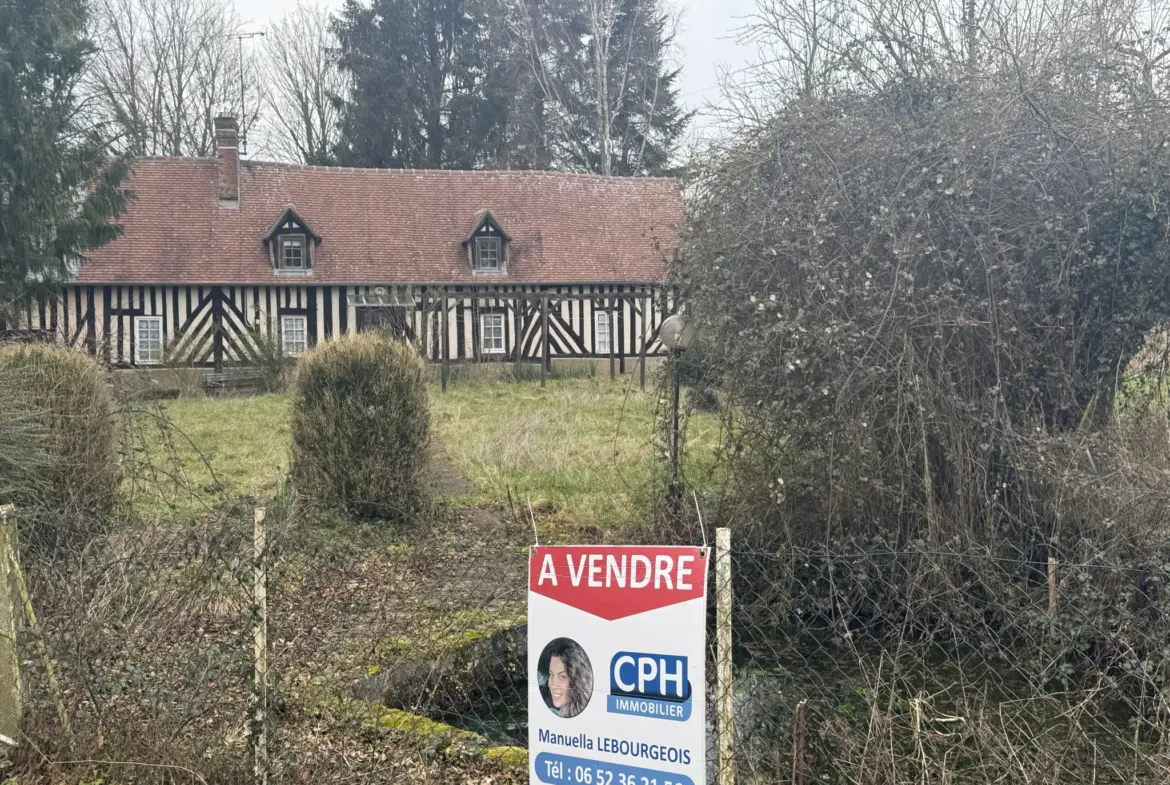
[601, 324]
[287, 240]
[497, 245]
[153, 355]
[484, 334]
[288, 328]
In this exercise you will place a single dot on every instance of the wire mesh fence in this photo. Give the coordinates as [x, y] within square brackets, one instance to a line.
[147, 666]
[404, 657]
[400, 655]
[954, 666]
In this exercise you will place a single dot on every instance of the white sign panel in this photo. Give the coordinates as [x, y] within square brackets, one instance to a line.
[616, 644]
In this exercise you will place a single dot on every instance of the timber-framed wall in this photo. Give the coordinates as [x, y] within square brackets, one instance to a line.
[221, 325]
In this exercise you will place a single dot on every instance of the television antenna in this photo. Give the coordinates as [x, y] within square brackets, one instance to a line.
[243, 109]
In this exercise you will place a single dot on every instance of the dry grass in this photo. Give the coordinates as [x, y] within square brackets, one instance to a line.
[196, 450]
[151, 631]
[581, 450]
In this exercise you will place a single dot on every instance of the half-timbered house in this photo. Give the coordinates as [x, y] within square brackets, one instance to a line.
[219, 254]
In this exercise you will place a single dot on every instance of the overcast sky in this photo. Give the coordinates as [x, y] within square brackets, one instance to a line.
[706, 40]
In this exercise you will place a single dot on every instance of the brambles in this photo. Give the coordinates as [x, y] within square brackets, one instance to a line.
[926, 293]
[360, 427]
[923, 294]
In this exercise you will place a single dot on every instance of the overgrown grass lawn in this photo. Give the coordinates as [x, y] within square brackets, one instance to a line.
[212, 445]
[580, 450]
[350, 602]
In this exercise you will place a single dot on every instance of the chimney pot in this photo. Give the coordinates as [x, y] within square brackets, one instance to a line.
[227, 153]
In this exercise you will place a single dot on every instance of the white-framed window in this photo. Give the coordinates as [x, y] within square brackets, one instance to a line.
[294, 335]
[488, 255]
[601, 331]
[148, 340]
[292, 252]
[491, 331]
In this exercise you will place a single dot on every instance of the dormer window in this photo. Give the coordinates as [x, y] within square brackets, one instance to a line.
[487, 254]
[487, 246]
[292, 252]
[291, 245]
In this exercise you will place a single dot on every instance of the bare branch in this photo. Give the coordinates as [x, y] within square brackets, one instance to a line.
[303, 85]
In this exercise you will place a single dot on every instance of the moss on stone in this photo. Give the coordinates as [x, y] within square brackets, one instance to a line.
[451, 632]
[396, 644]
[396, 719]
[509, 756]
[442, 736]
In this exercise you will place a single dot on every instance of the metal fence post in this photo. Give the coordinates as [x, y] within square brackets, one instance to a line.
[10, 695]
[724, 685]
[260, 647]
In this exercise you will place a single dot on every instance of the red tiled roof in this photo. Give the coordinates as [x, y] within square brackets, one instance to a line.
[389, 226]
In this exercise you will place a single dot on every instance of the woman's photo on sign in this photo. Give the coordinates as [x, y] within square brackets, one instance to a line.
[566, 677]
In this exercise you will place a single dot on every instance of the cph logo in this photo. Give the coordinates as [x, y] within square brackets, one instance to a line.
[655, 676]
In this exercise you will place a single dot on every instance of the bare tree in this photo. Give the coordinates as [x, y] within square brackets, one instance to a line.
[811, 48]
[164, 68]
[551, 78]
[303, 82]
[801, 44]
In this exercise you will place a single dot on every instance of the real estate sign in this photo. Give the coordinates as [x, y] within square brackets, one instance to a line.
[616, 643]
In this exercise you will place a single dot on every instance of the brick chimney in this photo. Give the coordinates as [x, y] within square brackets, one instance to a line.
[227, 152]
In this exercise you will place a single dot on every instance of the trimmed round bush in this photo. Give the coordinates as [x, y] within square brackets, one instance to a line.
[360, 427]
[61, 471]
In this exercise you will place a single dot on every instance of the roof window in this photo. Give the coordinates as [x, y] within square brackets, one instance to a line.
[487, 246]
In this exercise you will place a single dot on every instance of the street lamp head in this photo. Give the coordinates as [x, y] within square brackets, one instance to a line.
[676, 332]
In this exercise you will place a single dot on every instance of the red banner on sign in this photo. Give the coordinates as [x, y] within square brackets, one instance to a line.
[614, 582]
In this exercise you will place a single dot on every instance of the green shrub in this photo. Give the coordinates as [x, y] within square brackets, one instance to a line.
[61, 467]
[360, 427]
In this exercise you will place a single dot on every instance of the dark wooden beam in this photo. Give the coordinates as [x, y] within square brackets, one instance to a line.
[642, 351]
[544, 354]
[445, 350]
[90, 323]
[424, 315]
[217, 329]
[612, 337]
[621, 319]
[536, 296]
[518, 335]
